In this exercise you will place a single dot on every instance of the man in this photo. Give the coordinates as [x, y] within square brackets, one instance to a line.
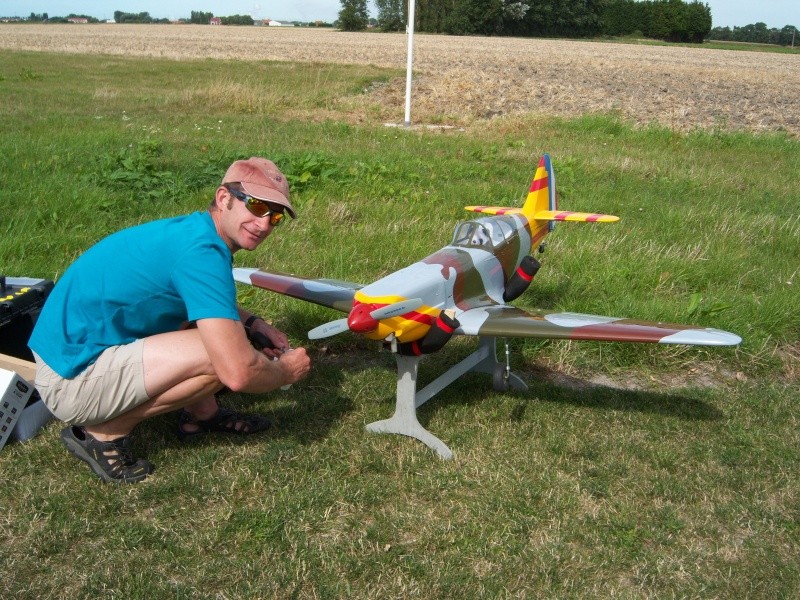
[112, 345]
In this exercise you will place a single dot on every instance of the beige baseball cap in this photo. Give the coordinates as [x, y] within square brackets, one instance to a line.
[261, 178]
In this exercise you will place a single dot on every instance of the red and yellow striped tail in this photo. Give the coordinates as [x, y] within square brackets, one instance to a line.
[542, 194]
[542, 202]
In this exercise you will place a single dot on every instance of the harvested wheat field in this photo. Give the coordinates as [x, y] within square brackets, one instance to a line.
[459, 80]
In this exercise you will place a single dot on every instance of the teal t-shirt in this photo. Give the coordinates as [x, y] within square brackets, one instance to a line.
[135, 283]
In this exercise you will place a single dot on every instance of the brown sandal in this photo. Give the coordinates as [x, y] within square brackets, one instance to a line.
[111, 461]
[225, 421]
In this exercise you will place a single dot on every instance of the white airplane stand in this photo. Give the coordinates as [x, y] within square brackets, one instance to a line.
[404, 421]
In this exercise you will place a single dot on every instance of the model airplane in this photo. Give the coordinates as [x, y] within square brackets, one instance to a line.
[464, 289]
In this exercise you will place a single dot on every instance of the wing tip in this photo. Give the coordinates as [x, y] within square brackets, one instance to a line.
[703, 337]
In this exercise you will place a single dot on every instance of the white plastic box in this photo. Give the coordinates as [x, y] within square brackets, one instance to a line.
[14, 395]
[22, 413]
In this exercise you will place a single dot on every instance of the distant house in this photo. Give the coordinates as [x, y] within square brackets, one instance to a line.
[215, 21]
[272, 23]
[77, 19]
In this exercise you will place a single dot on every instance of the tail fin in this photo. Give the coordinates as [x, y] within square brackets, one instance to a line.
[542, 198]
[542, 202]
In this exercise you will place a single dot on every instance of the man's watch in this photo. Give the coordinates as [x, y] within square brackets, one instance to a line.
[249, 323]
[257, 339]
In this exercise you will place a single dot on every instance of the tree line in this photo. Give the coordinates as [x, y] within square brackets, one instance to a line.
[44, 18]
[757, 33]
[197, 17]
[668, 20]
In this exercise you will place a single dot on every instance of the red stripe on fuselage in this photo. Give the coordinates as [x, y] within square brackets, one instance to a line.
[418, 317]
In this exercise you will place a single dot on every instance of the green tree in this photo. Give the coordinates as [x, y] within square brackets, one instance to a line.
[721, 33]
[354, 15]
[671, 20]
[469, 17]
[237, 20]
[698, 22]
[431, 15]
[123, 17]
[201, 18]
[392, 15]
[787, 35]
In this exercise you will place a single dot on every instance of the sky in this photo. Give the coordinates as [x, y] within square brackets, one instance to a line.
[775, 13]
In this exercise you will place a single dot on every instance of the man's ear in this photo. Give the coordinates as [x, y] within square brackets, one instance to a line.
[222, 198]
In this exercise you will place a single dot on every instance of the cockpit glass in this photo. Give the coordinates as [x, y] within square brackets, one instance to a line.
[485, 233]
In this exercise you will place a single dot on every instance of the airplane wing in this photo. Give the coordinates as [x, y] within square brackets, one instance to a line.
[325, 292]
[509, 321]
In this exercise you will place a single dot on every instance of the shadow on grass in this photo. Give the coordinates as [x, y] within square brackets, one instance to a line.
[563, 389]
[558, 388]
[303, 418]
[304, 414]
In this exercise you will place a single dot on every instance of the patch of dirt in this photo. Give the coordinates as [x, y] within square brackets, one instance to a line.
[463, 79]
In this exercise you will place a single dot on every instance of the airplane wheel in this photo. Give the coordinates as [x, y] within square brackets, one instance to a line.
[500, 378]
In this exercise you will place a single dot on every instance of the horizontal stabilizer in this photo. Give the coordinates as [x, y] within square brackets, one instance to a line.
[563, 215]
[494, 210]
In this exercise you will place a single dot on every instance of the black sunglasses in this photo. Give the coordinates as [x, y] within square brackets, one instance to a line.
[258, 207]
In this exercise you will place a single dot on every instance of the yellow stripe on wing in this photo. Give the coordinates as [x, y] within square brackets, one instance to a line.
[562, 215]
[494, 210]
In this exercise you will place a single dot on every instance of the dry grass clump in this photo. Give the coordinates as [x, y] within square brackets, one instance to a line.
[461, 79]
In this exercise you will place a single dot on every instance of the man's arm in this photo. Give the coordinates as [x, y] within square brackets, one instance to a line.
[241, 367]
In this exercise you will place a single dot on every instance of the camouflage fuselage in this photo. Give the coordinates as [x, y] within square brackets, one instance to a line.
[471, 272]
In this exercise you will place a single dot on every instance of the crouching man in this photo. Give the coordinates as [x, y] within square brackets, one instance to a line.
[111, 345]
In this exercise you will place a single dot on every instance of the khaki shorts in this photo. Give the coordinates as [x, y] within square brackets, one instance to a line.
[114, 384]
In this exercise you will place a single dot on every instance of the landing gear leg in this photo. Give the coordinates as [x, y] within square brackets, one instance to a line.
[404, 420]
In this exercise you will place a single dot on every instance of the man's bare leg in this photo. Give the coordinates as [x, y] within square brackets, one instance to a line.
[177, 373]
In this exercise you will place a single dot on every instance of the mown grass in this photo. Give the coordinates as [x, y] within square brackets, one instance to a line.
[625, 470]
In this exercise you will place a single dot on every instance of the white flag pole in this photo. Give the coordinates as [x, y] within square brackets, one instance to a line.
[409, 60]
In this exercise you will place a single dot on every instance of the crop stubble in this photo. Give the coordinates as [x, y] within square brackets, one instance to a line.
[460, 79]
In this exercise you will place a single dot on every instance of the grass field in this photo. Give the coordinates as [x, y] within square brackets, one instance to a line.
[626, 471]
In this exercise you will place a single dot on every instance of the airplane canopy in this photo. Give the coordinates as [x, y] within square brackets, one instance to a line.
[487, 232]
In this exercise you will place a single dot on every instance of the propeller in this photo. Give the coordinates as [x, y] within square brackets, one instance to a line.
[396, 308]
[328, 329]
[361, 321]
